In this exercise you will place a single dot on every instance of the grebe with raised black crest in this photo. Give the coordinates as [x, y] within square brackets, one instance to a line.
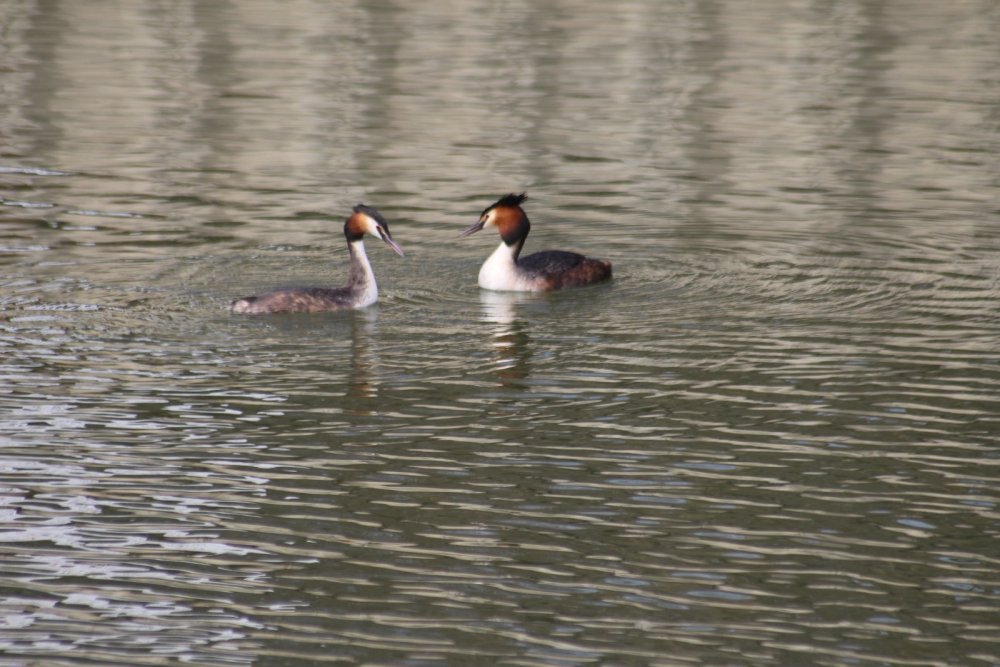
[360, 290]
[539, 272]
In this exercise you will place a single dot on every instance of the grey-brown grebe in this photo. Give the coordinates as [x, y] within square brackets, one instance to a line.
[542, 271]
[360, 290]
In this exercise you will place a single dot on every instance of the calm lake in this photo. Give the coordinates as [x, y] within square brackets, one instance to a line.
[773, 439]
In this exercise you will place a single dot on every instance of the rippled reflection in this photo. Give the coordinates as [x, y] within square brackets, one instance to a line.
[510, 335]
[364, 380]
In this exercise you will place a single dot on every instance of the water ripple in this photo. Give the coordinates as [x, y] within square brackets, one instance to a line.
[769, 440]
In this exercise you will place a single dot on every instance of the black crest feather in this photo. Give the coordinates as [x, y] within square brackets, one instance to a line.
[508, 200]
[373, 214]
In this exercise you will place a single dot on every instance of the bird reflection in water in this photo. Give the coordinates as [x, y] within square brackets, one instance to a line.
[510, 339]
[362, 383]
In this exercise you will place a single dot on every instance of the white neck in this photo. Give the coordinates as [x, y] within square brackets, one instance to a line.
[362, 280]
[499, 271]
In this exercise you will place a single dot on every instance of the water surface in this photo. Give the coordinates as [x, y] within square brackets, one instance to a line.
[771, 440]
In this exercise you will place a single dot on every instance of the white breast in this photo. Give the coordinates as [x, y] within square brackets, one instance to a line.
[499, 272]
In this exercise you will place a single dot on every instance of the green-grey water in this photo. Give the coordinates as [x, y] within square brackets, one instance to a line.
[771, 440]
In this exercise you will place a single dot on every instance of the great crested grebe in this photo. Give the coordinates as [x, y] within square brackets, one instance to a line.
[539, 272]
[360, 290]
